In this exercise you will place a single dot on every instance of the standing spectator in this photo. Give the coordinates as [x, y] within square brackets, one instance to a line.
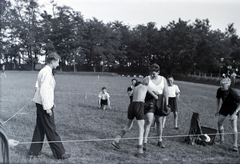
[174, 94]
[155, 107]
[3, 71]
[233, 78]
[230, 106]
[44, 99]
[130, 89]
[104, 99]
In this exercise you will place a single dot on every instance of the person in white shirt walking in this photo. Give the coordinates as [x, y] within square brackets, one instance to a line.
[174, 94]
[44, 99]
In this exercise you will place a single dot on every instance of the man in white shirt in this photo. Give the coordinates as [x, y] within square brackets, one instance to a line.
[44, 99]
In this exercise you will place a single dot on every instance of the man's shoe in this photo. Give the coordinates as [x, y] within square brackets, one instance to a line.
[116, 145]
[160, 144]
[31, 155]
[64, 156]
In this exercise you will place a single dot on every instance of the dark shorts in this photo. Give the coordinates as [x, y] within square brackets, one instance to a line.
[227, 109]
[104, 102]
[172, 101]
[154, 106]
[136, 109]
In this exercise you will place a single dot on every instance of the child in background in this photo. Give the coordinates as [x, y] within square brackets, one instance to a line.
[104, 100]
[3, 71]
[174, 94]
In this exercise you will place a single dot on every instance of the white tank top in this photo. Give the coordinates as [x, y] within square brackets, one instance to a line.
[156, 88]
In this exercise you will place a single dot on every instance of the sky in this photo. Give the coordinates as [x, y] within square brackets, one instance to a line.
[133, 12]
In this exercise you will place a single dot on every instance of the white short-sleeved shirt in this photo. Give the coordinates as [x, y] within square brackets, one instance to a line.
[173, 90]
[103, 96]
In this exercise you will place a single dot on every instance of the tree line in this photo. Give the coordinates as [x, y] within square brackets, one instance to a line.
[28, 32]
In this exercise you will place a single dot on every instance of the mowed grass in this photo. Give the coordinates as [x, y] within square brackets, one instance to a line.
[80, 123]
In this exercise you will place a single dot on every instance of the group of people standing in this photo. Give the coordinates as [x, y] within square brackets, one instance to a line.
[149, 103]
[149, 99]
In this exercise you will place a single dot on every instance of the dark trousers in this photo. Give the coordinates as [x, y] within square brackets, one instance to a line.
[46, 126]
[4, 147]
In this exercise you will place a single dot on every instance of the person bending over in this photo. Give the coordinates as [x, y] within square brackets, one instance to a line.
[230, 106]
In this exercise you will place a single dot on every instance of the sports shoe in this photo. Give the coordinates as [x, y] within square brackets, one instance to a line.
[140, 155]
[144, 146]
[116, 145]
[64, 156]
[176, 128]
[218, 142]
[234, 148]
[160, 144]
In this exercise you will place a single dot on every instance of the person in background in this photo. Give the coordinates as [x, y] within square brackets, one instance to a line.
[136, 110]
[230, 106]
[130, 89]
[3, 71]
[174, 94]
[233, 78]
[44, 99]
[104, 99]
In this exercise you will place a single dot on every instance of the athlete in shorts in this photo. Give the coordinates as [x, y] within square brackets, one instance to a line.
[136, 110]
[154, 107]
[230, 106]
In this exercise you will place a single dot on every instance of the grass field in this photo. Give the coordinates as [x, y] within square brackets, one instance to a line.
[79, 122]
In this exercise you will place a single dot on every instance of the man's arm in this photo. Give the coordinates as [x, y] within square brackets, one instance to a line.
[109, 105]
[165, 91]
[218, 106]
[152, 93]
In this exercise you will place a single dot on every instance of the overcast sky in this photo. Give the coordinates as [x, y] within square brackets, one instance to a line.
[133, 12]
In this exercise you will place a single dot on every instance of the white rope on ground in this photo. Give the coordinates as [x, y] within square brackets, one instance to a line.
[111, 139]
[193, 110]
[186, 105]
[16, 112]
